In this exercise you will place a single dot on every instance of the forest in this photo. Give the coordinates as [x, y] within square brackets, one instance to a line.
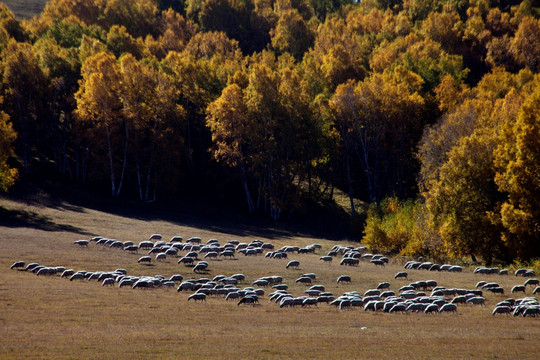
[428, 110]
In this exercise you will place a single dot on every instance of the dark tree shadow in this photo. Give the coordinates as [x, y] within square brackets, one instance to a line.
[18, 218]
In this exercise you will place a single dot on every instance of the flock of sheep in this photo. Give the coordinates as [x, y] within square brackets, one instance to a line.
[416, 297]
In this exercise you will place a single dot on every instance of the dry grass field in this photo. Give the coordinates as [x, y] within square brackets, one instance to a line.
[54, 318]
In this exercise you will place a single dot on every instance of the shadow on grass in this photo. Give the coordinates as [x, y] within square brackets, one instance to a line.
[18, 218]
[190, 212]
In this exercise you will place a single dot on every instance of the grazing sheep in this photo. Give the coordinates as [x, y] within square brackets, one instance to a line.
[81, 242]
[132, 248]
[532, 282]
[161, 257]
[448, 308]
[107, 282]
[502, 310]
[144, 259]
[200, 267]
[432, 308]
[194, 240]
[186, 261]
[377, 262]
[31, 266]
[517, 288]
[176, 277]
[383, 285]
[372, 292]
[211, 255]
[199, 296]
[477, 300]
[228, 253]
[344, 279]
[455, 268]
[496, 290]
[17, 265]
[399, 307]
[401, 274]
[503, 272]
[249, 300]
[304, 280]
[146, 245]
[293, 264]
[310, 302]
[77, 276]
[326, 259]
[260, 282]
[155, 237]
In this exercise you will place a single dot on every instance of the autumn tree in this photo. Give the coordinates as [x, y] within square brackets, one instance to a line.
[24, 86]
[99, 109]
[8, 175]
[291, 34]
[517, 163]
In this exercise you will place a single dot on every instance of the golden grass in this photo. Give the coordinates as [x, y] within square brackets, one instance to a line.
[50, 317]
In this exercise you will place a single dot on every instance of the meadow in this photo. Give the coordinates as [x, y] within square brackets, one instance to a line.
[50, 317]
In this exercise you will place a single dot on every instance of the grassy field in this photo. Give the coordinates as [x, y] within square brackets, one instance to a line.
[25, 9]
[50, 317]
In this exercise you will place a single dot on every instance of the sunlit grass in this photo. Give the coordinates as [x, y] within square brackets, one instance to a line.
[50, 317]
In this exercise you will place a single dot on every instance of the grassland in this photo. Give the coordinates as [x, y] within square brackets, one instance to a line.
[25, 9]
[50, 317]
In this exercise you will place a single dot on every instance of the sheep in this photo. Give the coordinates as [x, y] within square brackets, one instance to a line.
[194, 240]
[144, 259]
[401, 274]
[344, 279]
[198, 296]
[399, 307]
[249, 300]
[326, 259]
[432, 308]
[496, 290]
[200, 267]
[108, 281]
[77, 276]
[518, 288]
[30, 266]
[372, 292]
[155, 237]
[176, 277]
[228, 253]
[349, 261]
[477, 300]
[293, 264]
[146, 245]
[280, 287]
[287, 301]
[132, 248]
[186, 261]
[211, 255]
[537, 290]
[304, 280]
[383, 285]
[81, 242]
[503, 272]
[502, 310]
[377, 262]
[260, 282]
[17, 265]
[531, 311]
[532, 282]
[309, 302]
[448, 308]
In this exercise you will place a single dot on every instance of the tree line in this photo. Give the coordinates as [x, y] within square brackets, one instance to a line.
[284, 101]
